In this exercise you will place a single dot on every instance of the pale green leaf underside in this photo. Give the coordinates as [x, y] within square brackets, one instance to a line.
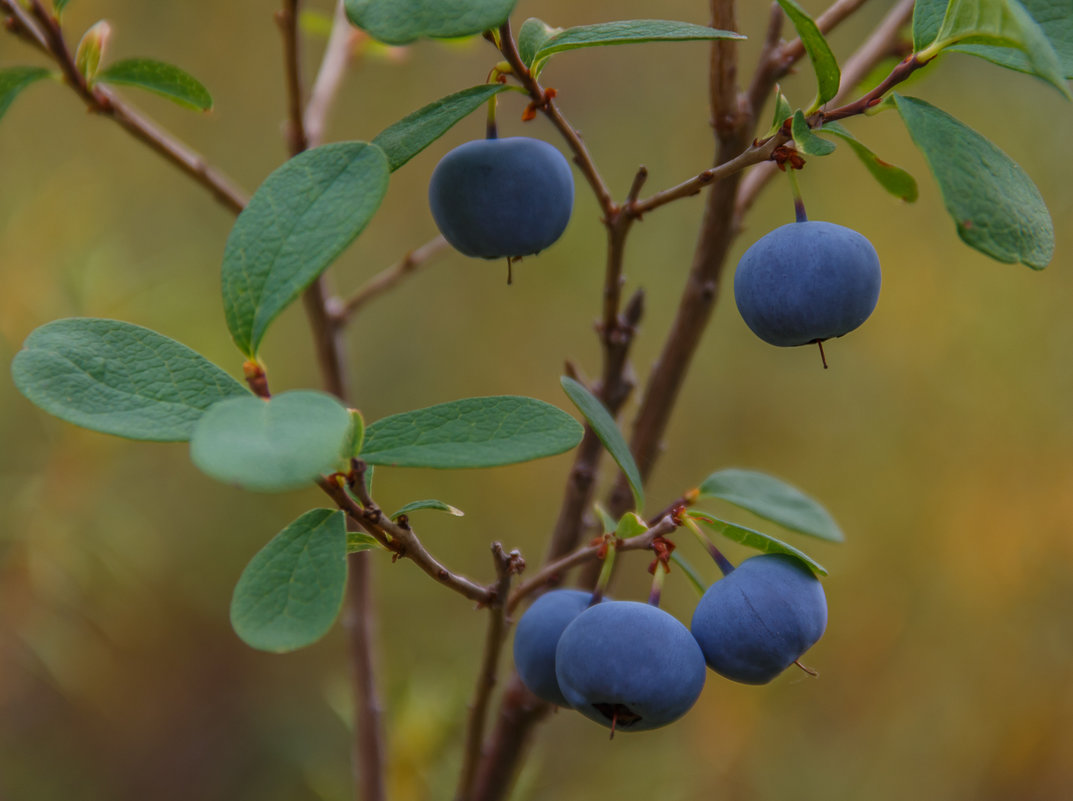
[783, 111]
[296, 224]
[163, 79]
[414, 132]
[473, 432]
[531, 36]
[750, 538]
[14, 79]
[996, 207]
[634, 31]
[807, 142]
[1005, 32]
[772, 499]
[428, 503]
[894, 179]
[119, 378]
[403, 21]
[271, 446]
[360, 541]
[290, 593]
[824, 64]
[604, 426]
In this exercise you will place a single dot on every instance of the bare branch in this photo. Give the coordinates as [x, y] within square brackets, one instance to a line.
[287, 19]
[387, 279]
[333, 66]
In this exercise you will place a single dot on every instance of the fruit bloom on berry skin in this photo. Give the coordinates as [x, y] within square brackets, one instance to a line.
[502, 198]
[537, 635]
[759, 619]
[629, 665]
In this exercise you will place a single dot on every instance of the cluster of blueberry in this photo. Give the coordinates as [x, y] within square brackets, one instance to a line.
[631, 666]
[507, 198]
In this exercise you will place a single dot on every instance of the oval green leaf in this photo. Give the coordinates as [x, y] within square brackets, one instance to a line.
[605, 428]
[633, 31]
[996, 207]
[807, 142]
[894, 179]
[824, 64]
[290, 593]
[400, 22]
[414, 132]
[428, 503]
[756, 539]
[275, 445]
[531, 36]
[473, 432]
[14, 79]
[160, 78]
[772, 499]
[297, 223]
[119, 378]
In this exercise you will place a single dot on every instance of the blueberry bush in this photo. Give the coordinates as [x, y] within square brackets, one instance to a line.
[624, 663]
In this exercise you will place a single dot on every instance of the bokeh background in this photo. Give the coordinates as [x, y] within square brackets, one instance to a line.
[941, 438]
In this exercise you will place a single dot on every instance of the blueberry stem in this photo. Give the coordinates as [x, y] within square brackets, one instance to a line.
[606, 570]
[657, 583]
[795, 190]
[725, 565]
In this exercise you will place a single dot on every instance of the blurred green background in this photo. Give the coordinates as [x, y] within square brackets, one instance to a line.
[941, 438]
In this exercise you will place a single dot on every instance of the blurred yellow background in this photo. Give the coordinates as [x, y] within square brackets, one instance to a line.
[941, 439]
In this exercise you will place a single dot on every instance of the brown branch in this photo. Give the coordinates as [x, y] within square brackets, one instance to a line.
[287, 19]
[506, 565]
[333, 67]
[389, 278]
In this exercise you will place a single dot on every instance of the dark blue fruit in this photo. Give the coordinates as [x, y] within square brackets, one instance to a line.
[537, 635]
[629, 666]
[756, 621]
[502, 198]
[807, 282]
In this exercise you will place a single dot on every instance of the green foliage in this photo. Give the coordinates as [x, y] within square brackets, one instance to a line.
[290, 593]
[996, 207]
[533, 33]
[119, 378]
[630, 525]
[691, 573]
[783, 111]
[828, 75]
[472, 432]
[296, 224]
[428, 503]
[275, 445]
[604, 426]
[772, 499]
[989, 29]
[1055, 19]
[14, 79]
[807, 142]
[894, 179]
[414, 132]
[360, 541]
[91, 48]
[357, 434]
[756, 539]
[634, 31]
[160, 78]
[403, 21]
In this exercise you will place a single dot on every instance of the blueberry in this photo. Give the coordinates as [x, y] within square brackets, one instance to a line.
[502, 198]
[629, 666]
[538, 633]
[807, 282]
[759, 619]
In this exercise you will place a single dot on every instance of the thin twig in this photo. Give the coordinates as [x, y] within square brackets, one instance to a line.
[333, 67]
[390, 277]
[287, 19]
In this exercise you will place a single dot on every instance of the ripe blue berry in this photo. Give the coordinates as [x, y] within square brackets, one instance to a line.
[537, 635]
[502, 198]
[755, 622]
[629, 666]
[806, 282]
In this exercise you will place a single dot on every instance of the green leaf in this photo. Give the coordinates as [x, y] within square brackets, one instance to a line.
[819, 52]
[163, 79]
[473, 432]
[91, 48]
[807, 142]
[927, 17]
[691, 574]
[360, 541]
[402, 21]
[269, 446]
[630, 525]
[783, 111]
[987, 28]
[607, 522]
[772, 499]
[290, 593]
[429, 503]
[414, 132]
[297, 223]
[634, 31]
[531, 36]
[756, 539]
[894, 179]
[995, 205]
[14, 79]
[119, 378]
[357, 434]
[59, 5]
[604, 426]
